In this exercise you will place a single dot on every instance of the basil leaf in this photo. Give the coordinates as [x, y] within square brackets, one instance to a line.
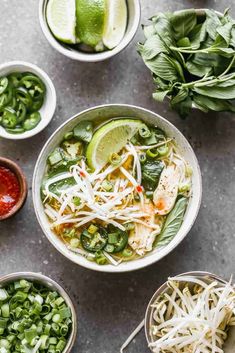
[163, 66]
[152, 47]
[173, 222]
[149, 31]
[225, 32]
[196, 69]
[232, 38]
[183, 22]
[183, 108]
[181, 96]
[151, 172]
[62, 185]
[213, 23]
[184, 42]
[217, 105]
[216, 92]
[198, 35]
[163, 28]
[160, 95]
[83, 131]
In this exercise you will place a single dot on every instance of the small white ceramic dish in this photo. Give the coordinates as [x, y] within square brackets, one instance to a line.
[47, 110]
[52, 285]
[206, 276]
[134, 12]
[104, 113]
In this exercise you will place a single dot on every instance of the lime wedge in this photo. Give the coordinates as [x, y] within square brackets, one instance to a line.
[62, 20]
[90, 20]
[110, 138]
[115, 23]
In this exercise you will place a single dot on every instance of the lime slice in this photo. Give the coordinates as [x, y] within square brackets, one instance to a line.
[110, 138]
[61, 19]
[90, 20]
[115, 23]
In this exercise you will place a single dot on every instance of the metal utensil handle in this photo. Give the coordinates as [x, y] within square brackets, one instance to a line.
[132, 336]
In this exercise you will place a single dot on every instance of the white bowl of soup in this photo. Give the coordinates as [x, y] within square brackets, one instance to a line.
[116, 188]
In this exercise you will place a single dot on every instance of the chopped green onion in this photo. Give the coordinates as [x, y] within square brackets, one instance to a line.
[115, 159]
[92, 229]
[129, 226]
[144, 131]
[127, 252]
[107, 185]
[163, 150]
[76, 201]
[5, 310]
[74, 242]
[3, 294]
[152, 153]
[56, 318]
[142, 157]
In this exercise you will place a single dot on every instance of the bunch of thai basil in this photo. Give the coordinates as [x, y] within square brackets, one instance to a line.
[192, 58]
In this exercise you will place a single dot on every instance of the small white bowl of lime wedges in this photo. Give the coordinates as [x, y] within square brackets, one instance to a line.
[89, 30]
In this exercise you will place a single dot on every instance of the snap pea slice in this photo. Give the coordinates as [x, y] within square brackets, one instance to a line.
[32, 121]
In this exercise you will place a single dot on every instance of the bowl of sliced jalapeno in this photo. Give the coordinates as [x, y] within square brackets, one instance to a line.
[27, 100]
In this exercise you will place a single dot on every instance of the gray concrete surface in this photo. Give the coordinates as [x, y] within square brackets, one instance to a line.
[110, 306]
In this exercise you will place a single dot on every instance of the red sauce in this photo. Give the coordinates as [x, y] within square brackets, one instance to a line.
[9, 190]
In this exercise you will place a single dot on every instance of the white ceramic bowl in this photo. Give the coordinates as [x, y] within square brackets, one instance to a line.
[106, 112]
[47, 110]
[52, 285]
[67, 50]
[206, 276]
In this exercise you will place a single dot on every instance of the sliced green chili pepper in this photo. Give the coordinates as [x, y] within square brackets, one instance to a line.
[94, 242]
[23, 95]
[31, 122]
[36, 105]
[16, 130]
[6, 97]
[118, 239]
[15, 78]
[21, 112]
[3, 84]
[34, 84]
[9, 118]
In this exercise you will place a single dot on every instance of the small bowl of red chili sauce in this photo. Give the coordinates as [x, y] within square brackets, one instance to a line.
[13, 188]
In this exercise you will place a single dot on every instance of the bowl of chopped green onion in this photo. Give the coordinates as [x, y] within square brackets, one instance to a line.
[36, 315]
[27, 100]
